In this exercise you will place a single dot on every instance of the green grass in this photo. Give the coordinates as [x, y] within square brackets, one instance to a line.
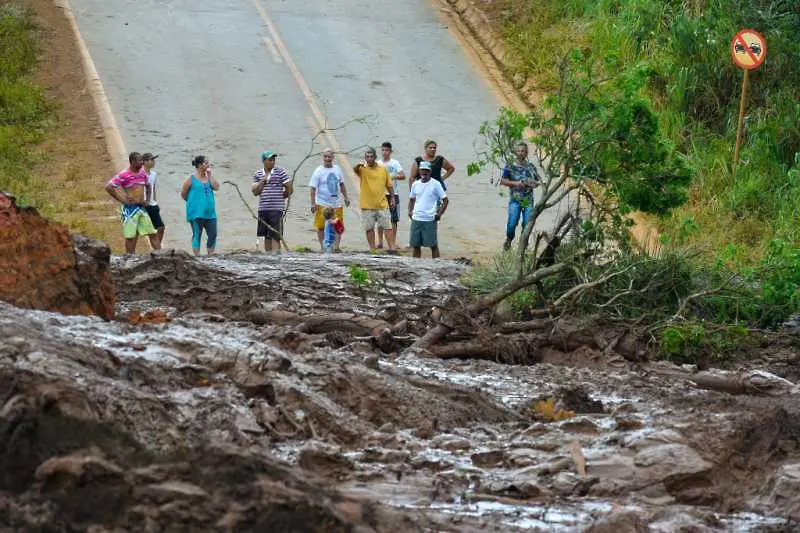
[24, 112]
[700, 343]
[359, 275]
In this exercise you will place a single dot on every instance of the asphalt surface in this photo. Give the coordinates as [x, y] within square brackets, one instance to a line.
[230, 78]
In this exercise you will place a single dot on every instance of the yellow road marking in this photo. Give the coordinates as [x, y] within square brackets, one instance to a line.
[272, 50]
[318, 116]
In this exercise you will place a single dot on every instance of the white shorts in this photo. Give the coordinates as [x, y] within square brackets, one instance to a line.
[372, 217]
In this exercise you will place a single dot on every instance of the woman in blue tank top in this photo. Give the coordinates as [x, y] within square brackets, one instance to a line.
[201, 211]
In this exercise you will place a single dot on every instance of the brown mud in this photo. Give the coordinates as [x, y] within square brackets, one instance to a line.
[252, 393]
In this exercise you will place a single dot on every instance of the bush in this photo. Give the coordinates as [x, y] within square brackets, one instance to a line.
[764, 295]
[696, 343]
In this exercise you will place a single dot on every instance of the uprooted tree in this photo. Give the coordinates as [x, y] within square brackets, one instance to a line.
[604, 155]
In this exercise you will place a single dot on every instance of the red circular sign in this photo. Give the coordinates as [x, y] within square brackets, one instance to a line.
[748, 49]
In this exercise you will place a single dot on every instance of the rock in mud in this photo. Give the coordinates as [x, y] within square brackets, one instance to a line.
[324, 460]
[621, 522]
[451, 443]
[43, 267]
[578, 400]
[581, 426]
[490, 459]
[782, 491]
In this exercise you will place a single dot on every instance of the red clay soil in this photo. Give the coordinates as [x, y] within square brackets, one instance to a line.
[43, 267]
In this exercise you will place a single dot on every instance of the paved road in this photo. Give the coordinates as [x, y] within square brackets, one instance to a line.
[229, 78]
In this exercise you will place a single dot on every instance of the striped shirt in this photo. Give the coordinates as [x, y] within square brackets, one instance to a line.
[271, 198]
[128, 178]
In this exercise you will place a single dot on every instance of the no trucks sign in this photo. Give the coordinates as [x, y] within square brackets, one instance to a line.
[748, 49]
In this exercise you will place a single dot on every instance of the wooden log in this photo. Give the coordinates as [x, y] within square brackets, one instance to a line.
[342, 322]
[757, 382]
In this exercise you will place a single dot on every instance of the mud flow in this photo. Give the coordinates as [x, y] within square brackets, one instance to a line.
[254, 393]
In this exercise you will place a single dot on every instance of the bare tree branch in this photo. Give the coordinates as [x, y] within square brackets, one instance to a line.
[700, 294]
[590, 284]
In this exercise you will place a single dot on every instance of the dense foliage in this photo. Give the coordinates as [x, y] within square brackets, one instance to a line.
[731, 252]
[695, 88]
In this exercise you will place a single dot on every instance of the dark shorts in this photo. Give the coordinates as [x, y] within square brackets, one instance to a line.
[154, 212]
[393, 210]
[424, 234]
[273, 218]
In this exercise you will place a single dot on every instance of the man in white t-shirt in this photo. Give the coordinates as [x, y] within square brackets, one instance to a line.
[151, 200]
[427, 202]
[327, 182]
[397, 174]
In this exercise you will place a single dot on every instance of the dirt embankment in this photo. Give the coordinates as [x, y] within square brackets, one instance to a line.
[42, 266]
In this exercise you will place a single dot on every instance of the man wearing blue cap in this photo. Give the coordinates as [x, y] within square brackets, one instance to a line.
[272, 185]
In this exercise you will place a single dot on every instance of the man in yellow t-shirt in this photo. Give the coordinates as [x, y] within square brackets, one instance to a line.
[376, 184]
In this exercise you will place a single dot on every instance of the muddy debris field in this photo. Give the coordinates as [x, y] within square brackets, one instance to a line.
[253, 393]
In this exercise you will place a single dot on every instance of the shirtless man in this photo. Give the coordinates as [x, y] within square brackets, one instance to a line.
[128, 188]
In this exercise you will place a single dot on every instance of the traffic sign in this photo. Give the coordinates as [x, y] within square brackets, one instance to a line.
[748, 49]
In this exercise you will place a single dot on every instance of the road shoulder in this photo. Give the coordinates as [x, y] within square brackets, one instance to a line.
[74, 157]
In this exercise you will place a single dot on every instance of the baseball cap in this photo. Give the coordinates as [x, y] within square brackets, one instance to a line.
[147, 156]
[425, 165]
[266, 154]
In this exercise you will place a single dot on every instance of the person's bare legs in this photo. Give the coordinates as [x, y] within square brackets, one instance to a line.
[337, 243]
[371, 239]
[417, 252]
[320, 238]
[160, 232]
[276, 246]
[390, 238]
[210, 251]
[155, 242]
[130, 245]
[435, 252]
[380, 237]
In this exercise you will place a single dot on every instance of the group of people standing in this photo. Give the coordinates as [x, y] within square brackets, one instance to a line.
[379, 199]
[136, 188]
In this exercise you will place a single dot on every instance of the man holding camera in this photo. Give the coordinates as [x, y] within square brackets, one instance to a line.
[520, 177]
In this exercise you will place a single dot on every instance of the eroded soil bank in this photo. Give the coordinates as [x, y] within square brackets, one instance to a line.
[255, 393]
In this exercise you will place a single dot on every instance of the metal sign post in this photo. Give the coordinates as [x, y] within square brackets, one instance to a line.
[748, 49]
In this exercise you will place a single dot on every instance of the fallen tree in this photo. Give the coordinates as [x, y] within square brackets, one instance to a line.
[603, 155]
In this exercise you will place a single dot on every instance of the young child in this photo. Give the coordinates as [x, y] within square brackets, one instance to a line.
[334, 228]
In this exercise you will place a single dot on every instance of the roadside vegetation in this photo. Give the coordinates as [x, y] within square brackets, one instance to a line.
[24, 111]
[36, 163]
[638, 105]
[694, 86]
